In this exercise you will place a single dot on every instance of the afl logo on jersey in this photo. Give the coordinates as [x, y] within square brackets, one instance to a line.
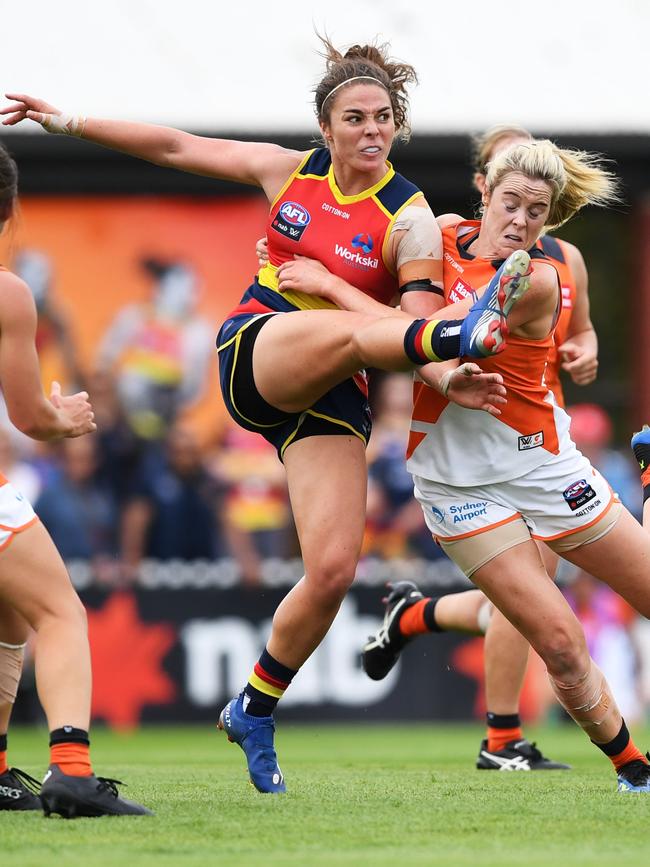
[294, 213]
[291, 220]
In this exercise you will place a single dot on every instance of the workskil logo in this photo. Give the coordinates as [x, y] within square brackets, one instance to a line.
[361, 243]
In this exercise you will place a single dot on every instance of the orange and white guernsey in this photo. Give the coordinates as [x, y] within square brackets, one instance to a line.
[310, 216]
[556, 251]
[465, 447]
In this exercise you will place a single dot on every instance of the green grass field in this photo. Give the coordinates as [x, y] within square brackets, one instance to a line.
[358, 795]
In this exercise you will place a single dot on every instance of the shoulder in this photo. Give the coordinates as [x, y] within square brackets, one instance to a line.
[15, 295]
[446, 220]
[574, 258]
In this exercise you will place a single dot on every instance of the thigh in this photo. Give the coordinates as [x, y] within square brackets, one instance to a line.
[621, 559]
[33, 577]
[298, 356]
[327, 478]
[518, 585]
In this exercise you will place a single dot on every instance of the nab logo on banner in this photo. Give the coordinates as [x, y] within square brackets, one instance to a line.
[291, 220]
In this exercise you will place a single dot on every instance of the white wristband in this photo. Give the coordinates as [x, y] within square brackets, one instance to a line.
[64, 124]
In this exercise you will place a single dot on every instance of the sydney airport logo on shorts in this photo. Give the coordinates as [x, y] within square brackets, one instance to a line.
[530, 441]
[361, 243]
[579, 493]
[291, 220]
[467, 511]
[438, 515]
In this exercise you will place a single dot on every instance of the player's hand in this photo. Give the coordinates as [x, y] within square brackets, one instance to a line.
[304, 275]
[27, 107]
[76, 410]
[579, 362]
[468, 386]
[262, 251]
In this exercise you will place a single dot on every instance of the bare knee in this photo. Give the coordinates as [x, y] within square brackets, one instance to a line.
[330, 578]
[564, 650]
[68, 613]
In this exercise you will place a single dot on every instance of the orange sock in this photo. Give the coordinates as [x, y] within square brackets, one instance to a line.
[498, 738]
[4, 767]
[412, 622]
[629, 754]
[73, 759]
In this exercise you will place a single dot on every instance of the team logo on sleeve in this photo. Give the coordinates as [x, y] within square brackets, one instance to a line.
[577, 494]
[530, 441]
[291, 220]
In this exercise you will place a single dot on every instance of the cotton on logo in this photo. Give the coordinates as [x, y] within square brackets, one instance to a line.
[295, 214]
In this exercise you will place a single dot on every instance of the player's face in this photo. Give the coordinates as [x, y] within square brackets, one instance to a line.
[515, 213]
[361, 127]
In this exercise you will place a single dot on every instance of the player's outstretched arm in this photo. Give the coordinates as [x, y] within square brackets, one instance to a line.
[29, 410]
[259, 163]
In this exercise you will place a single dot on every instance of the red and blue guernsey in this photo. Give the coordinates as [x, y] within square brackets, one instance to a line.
[349, 234]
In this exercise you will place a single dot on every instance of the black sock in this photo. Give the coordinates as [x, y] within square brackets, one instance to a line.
[429, 615]
[69, 735]
[617, 744]
[503, 720]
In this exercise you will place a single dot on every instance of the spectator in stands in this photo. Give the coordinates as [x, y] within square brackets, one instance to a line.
[174, 509]
[257, 517]
[79, 511]
[159, 350]
[121, 450]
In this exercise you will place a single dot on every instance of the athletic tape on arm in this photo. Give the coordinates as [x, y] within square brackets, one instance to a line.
[64, 124]
[421, 239]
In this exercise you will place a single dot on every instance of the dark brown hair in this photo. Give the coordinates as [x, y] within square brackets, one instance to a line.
[372, 61]
[8, 183]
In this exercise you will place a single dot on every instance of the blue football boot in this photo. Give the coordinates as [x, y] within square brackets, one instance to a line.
[254, 734]
[641, 447]
[635, 776]
[484, 329]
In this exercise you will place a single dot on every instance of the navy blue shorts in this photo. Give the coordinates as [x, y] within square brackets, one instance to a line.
[342, 411]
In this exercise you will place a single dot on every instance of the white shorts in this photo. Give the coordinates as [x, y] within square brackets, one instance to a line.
[16, 514]
[560, 497]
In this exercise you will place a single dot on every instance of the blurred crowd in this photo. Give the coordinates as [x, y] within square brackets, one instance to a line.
[147, 486]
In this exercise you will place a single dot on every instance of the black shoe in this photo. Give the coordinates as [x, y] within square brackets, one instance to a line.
[19, 791]
[382, 650]
[71, 796]
[634, 776]
[516, 756]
